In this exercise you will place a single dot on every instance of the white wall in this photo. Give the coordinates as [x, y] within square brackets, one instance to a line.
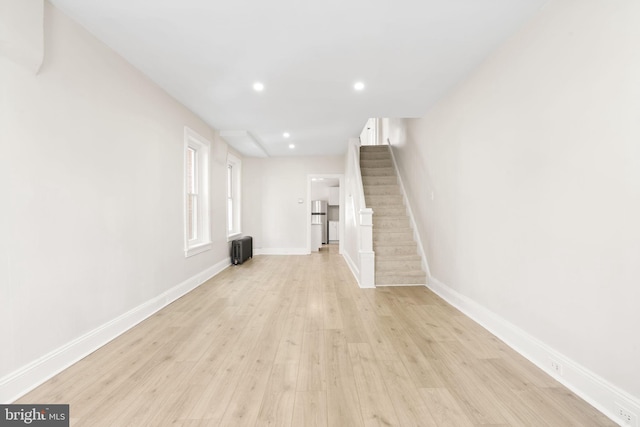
[21, 32]
[91, 154]
[271, 188]
[319, 191]
[526, 185]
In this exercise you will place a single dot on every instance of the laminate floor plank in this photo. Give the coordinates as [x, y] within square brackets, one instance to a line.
[412, 356]
[380, 339]
[293, 341]
[354, 326]
[444, 408]
[567, 402]
[378, 301]
[343, 403]
[332, 317]
[310, 409]
[405, 396]
[290, 345]
[279, 398]
[375, 402]
[312, 372]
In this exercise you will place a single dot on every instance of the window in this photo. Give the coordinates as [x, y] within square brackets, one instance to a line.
[197, 235]
[233, 195]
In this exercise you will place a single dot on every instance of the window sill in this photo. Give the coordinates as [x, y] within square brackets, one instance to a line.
[197, 249]
[232, 236]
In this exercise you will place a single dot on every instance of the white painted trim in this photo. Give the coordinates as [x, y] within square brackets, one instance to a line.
[231, 237]
[399, 284]
[236, 164]
[25, 379]
[281, 251]
[197, 249]
[356, 273]
[367, 269]
[416, 233]
[202, 146]
[307, 212]
[594, 389]
[352, 266]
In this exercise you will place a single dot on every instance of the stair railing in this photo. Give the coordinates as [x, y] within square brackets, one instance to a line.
[359, 221]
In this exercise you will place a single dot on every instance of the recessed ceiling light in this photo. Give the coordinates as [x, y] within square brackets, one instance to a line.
[258, 87]
[292, 146]
[286, 134]
[358, 86]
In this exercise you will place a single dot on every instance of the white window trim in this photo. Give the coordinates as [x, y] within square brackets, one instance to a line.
[202, 147]
[237, 190]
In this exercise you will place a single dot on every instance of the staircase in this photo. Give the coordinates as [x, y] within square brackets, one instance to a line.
[397, 260]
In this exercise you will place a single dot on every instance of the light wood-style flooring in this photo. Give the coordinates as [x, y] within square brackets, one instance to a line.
[293, 341]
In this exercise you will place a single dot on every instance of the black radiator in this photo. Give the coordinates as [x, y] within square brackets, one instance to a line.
[241, 250]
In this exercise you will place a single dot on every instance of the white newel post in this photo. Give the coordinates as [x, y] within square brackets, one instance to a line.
[367, 256]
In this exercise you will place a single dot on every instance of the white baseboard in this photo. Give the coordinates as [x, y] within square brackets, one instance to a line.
[399, 285]
[280, 251]
[25, 379]
[367, 269]
[356, 272]
[595, 390]
[352, 266]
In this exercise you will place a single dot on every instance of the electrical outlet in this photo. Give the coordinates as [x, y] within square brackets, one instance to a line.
[556, 367]
[628, 418]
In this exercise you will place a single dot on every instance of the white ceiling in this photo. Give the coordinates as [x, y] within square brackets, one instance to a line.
[208, 53]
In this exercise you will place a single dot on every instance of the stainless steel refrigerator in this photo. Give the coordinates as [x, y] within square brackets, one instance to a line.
[319, 217]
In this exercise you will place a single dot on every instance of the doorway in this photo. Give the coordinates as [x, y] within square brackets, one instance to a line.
[326, 188]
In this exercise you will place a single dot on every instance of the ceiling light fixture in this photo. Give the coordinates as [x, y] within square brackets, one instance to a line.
[358, 86]
[258, 87]
[292, 146]
[286, 134]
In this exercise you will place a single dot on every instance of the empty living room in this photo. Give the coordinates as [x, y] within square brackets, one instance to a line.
[409, 213]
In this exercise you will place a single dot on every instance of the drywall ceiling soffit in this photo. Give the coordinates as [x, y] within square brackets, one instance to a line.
[244, 143]
[207, 54]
